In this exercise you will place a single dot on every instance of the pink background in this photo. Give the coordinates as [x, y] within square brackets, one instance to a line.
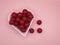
[46, 10]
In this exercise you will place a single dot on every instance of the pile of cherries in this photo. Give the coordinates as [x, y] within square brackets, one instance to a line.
[21, 20]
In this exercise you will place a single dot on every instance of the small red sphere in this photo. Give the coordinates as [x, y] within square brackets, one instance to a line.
[39, 30]
[31, 30]
[14, 14]
[25, 11]
[30, 15]
[17, 19]
[13, 19]
[19, 14]
[23, 30]
[21, 26]
[16, 23]
[24, 18]
[11, 22]
[39, 22]
[26, 25]
[21, 22]
[28, 20]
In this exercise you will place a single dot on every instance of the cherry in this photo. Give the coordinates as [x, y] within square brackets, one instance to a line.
[31, 30]
[39, 30]
[39, 22]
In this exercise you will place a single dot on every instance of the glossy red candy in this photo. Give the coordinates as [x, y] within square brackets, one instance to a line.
[14, 14]
[39, 22]
[31, 30]
[21, 22]
[17, 19]
[13, 19]
[19, 14]
[30, 15]
[26, 25]
[21, 26]
[28, 20]
[11, 22]
[39, 30]
[16, 23]
[25, 11]
[24, 18]
[23, 30]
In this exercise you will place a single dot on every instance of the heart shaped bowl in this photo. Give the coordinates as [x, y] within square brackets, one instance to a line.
[18, 30]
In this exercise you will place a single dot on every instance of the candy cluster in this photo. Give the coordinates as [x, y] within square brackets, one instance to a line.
[39, 30]
[21, 20]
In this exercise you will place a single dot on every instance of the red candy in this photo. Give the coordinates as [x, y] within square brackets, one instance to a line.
[16, 23]
[19, 14]
[25, 11]
[26, 25]
[39, 22]
[39, 30]
[21, 27]
[21, 22]
[31, 30]
[14, 14]
[24, 18]
[11, 22]
[23, 30]
[13, 19]
[17, 19]
[30, 15]
[28, 20]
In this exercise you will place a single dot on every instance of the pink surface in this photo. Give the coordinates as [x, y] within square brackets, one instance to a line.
[46, 10]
